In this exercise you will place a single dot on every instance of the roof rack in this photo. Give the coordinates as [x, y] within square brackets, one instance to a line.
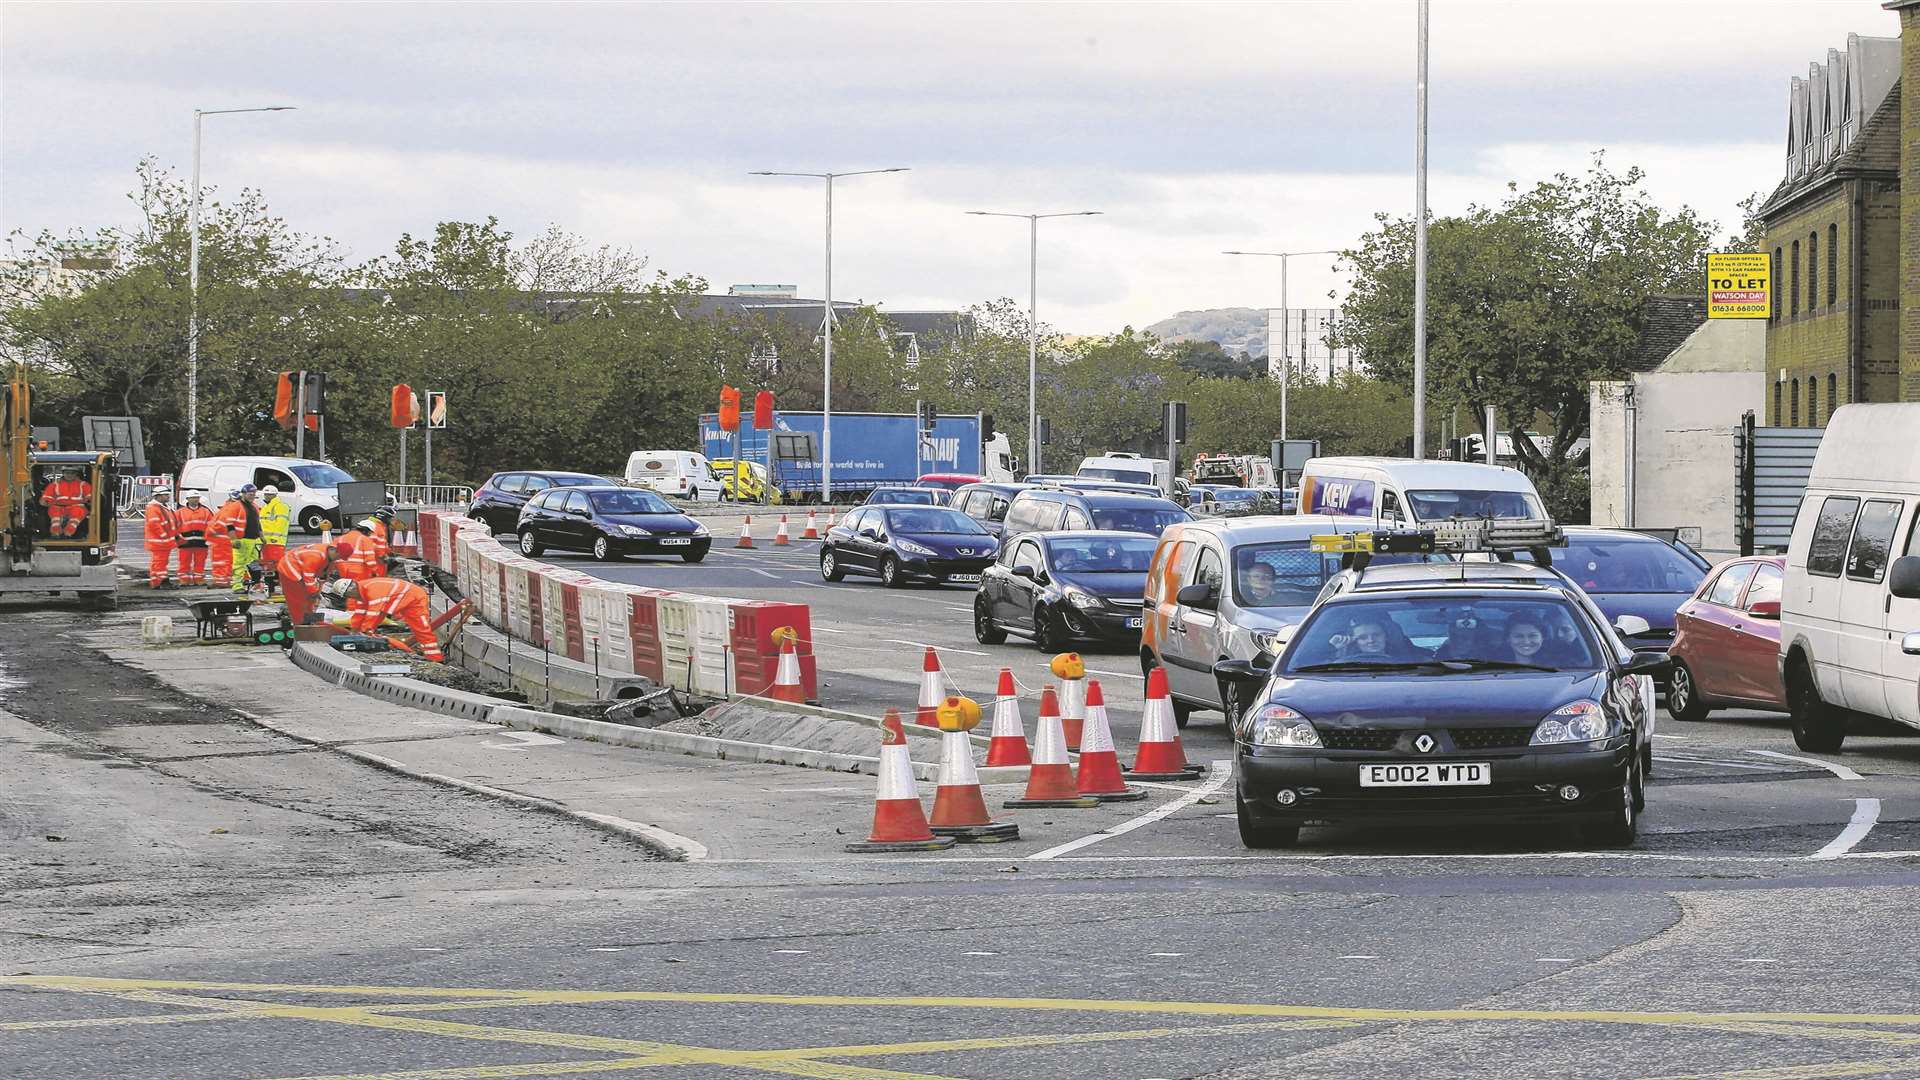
[1501, 538]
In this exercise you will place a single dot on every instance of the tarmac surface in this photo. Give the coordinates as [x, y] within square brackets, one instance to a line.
[196, 881]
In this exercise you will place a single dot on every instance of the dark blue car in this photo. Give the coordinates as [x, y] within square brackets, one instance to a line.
[899, 544]
[1422, 694]
[1633, 573]
[611, 522]
[1054, 588]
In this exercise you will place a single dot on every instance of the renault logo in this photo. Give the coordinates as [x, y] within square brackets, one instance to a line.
[1424, 743]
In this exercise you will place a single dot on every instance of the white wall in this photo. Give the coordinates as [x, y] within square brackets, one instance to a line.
[1680, 430]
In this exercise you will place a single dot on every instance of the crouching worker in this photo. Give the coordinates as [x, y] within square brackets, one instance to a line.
[303, 571]
[376, 599]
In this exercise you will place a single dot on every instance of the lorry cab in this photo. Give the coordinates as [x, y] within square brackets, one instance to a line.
[310, 488]
[1129, 469]
[1406, 494]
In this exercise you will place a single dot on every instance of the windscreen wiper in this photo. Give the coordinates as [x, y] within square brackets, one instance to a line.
[1367, 665]
[1493, 665]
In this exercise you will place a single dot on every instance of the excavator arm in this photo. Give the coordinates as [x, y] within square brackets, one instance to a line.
[16, 480]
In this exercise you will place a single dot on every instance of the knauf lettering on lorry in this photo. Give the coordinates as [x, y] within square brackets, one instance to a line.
[1402, 493]
[870, 450]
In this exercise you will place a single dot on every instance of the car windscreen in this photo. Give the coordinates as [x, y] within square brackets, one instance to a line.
[1102, 554]
[933, 522]
[1473, 503]
[1287, 573]
[906, 495]
[1529, 632]
[1138, 519]
[1242, 495]
[630, 502]
[1613, 565]
[580, 481]
[321, 476]
[1125, 476]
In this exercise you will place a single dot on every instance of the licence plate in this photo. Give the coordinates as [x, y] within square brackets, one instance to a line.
[1427, 774]
[677, 542]
[965, 579]
[1134, 623]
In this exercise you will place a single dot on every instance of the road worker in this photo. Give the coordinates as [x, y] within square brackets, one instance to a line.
[377, 599]
[246, 539]
[276, 517]
[303, 571]
[228, 523]
[163, 532]
[196, 528]
[66, 499]
[362, 550]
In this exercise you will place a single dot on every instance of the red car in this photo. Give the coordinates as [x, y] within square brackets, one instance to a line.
[1726, 645]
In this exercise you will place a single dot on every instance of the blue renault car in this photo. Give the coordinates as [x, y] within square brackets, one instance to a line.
[611, 522]
[1434, 693]
[901, 544]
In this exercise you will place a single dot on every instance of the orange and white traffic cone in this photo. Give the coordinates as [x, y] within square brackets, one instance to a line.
[959, 809]
[899, 822]
[780, 534]
[1099, 774]
[786, 678]
[1160, 756]
[832, 518]
[1008, 746]
[931, 691]
[746, 533]
[812, 531]
[1050, 781]
[1073, 711]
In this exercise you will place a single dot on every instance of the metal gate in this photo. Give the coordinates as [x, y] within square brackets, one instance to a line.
[1771, 466]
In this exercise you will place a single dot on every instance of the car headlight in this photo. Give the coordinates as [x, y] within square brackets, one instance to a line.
[633, 530]
[1084, 599]
[1576, 722]
[1264, 640]
[1277, 725]
[912, 548]
[700, 530]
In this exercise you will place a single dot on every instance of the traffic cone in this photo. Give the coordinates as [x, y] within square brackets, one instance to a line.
[959, 810]
[1073, 710]
[786, 678]
[780, 534]
[1099, 774]
[830, 517]
[931, 691]
[812, 531]
[746, 533]
[1009, 743]
[1160, 756]
[1050, 781]
[899, 823]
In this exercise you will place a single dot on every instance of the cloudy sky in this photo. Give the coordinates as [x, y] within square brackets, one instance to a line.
[1193, 127]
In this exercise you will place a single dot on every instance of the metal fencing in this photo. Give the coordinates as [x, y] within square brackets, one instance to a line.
[1771, 466]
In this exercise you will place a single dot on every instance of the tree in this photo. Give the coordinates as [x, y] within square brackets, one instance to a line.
[1528, 302]
[1110, 395]
[1209, 358]
[985, 368]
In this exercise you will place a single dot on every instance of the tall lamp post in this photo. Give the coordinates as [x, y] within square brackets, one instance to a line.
[1286, 338]
[1420, 246]
[826, 324]
[1033, 321]
[193, 277]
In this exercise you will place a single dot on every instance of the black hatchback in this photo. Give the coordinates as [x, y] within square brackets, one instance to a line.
[899, 544]
[1059, 587]
[498, 501]
[611, 522]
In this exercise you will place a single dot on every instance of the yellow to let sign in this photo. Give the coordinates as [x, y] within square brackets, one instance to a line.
[1739, 285]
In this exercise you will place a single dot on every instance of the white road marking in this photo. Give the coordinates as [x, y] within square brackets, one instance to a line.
[935, 648]
[1222, 772]
[829, 630]
[1553, 959]
[1757, 960]
[605, 948]
[979, 954]
[1865, 813]
[791, 952]
[1116, 674]
[1840, 771]
[1360, 956]
[1657, 735]
[522, 740]
[1166, 954]
[1727, 764]
[1882, 855]
[429, 950]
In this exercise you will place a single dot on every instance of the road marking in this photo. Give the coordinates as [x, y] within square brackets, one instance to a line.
[935, 648]
[1164, 954]
[829, 630]
[1222, 772]
[1757, 960]
[791, 952]
[1657, 735]
[606, 948]
[1553, 959]
[1727, 764]
[1865, 813]
[1360, 956]
[423, 949]
[522, 740]
[1840, 771]
[979, 954]
[1116, 674]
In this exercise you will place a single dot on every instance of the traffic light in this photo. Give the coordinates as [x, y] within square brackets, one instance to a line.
[729, 409]
[1176, 421]
[763, 410]
[405, 408]
[436, 408]
[1046, 431]
[927, 415]
[986, 426]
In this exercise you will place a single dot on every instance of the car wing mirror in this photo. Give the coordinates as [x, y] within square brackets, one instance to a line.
[1024, 572]
[1655, 664]
[1903, 577]
[1911, 644]
[1631, 625]
[1765, 609]
[1197, 595]
[869, 534]
[1246, 672]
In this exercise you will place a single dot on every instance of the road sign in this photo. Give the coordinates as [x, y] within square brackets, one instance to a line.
[1739, 285]
[436, 408]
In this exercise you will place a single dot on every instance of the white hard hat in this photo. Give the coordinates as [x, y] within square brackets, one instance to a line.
[337, 588]
[269, 491]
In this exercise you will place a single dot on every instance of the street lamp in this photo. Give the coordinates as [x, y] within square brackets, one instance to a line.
[1420, 246]
[1286, 339]
[826, 325]
[1033, 322]
[193, 277]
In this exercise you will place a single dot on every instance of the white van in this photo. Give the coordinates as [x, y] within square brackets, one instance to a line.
[681, 473]
[309, 488]
[1129, 469]
[1850, 613]
[1403, 493]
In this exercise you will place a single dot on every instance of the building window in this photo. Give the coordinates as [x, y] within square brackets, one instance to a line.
[1775, 310]
[1793, 272]
[1778, 416]
[1813, 274]
[1793, 405]
[1813, 401]
[1833, 392]
[1833, 275]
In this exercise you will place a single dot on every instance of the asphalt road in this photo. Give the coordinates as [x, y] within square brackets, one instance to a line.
[373, 926]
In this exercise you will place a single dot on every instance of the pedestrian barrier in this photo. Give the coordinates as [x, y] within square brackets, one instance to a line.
[712, 647]
[643, 623]
[676, 639]
[756, 649]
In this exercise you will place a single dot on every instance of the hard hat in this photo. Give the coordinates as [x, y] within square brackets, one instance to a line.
[365, 525]
[385, 514]
[236, 493]
[269, 491]
[192, 496]
[337, 588]
[248, 488]
[162, 493]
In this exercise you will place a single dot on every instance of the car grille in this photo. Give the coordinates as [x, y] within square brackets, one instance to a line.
[956, 566]
[1360, 738]
[1491, 738]
[1119, 601]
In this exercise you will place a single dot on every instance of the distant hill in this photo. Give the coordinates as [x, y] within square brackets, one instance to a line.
[1236, 329]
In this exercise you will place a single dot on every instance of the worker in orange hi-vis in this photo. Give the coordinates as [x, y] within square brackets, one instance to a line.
[196, 522]
[303, 571]
[377, 599]
[66, 499]
[228, 522]
[362, 550]
[162, 532]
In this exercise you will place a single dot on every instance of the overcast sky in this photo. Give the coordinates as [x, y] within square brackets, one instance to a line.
[1194, 127]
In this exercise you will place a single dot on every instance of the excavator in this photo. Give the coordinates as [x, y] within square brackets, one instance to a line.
[33, 560]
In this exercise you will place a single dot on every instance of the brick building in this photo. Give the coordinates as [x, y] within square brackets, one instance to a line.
[1909, 13]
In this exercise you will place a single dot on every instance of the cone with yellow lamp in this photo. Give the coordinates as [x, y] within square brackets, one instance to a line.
[959, 809]
[899, 822]
[1072, 673]
[1050, 780]
[786, 677]
[1099, 774]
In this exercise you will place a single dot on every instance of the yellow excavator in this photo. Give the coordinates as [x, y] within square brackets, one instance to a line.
[42, 554]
